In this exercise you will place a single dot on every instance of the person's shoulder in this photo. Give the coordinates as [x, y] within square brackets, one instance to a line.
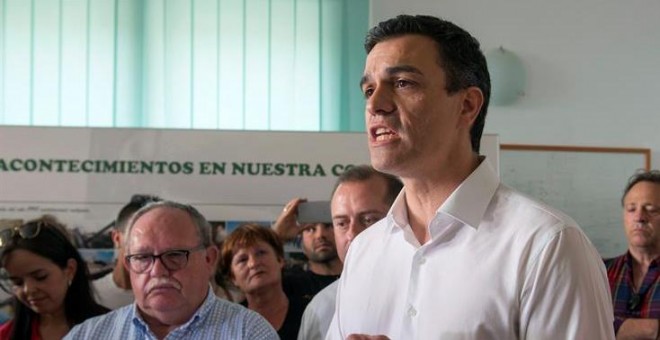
[611, 262]
[374, 232]
[227, 311]
[101, 325]
[327, 293]
[324, 300]
[239, 321]
[5, 329]
[111, 296]
[514, 205]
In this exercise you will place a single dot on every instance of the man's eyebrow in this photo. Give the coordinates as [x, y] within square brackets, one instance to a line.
[402, 69]
[363, 80]
[394, 70]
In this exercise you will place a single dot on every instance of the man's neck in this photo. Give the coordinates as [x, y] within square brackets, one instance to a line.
[332, 267]
[424, 195]
[643, 256]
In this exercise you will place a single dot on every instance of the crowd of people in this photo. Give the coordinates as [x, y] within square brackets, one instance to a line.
[445, 250]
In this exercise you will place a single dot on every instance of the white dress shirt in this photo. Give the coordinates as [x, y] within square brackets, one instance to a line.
[499, 265]
[318, 314]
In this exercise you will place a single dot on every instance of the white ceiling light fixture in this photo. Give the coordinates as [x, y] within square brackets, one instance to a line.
[507, 76]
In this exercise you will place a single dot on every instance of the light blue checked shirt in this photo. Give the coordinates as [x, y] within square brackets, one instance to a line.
[215, 319]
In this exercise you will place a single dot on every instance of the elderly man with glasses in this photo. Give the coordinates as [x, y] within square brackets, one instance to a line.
[170, 259]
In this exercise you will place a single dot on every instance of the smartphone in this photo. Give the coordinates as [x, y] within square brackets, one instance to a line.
[314, 212]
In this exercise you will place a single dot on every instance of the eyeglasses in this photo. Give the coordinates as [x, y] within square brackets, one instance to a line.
[173, 260]
[26, 231]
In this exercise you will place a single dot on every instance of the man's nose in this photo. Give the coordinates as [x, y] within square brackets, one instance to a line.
[641, 215]
[380, 101]
[352, 230]
[158, 268]
[318, 231]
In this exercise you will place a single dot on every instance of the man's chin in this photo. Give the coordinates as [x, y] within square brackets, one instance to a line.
[163, 298]
[324, 257]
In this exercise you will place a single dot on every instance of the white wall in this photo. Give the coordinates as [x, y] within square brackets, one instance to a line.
[593, 66]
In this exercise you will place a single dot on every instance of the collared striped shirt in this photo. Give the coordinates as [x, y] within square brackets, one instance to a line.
[628, 303]
[214, 319]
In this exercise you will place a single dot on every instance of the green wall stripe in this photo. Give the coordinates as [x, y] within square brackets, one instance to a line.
[217, 60]
[192, 63]
[60, 36]
[139, 47]
[165, 73]
[270, 63]
[31, 109]
[320, 66]
[3, 34]
[244, 70]
[87, 60]
[115, 71]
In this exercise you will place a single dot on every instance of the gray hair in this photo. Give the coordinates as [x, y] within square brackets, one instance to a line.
[202, 225]
[641, 175]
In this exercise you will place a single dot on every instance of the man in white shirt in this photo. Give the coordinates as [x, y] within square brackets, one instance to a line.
[459, 255]
[360, 197]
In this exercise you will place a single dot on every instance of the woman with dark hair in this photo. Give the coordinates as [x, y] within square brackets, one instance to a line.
[48, 279]
[252, 259]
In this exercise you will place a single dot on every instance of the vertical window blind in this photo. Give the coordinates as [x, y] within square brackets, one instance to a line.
[207, 64]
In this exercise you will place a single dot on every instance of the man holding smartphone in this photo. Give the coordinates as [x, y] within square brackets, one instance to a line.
[312, 221]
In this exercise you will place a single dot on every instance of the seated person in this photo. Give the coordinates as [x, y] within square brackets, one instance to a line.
[253, 259]
[48, 279]
[318, 245]
[635, 276]
[115, 287]
[170, 259]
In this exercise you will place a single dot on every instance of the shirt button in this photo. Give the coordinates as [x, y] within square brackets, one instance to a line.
[412, 311]
[422, 260]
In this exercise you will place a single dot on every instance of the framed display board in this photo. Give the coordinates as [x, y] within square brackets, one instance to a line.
[586, 183]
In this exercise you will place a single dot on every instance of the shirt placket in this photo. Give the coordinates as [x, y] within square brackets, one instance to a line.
[415, 299]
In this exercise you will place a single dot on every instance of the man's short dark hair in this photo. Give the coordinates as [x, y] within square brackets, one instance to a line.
[641, 175]
[137, 201]
[460, 56]
[362, 173]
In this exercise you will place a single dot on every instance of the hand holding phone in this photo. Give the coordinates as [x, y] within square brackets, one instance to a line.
[314, 212]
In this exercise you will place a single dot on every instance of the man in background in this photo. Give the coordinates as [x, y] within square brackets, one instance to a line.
[114, 289]
[360, 198]
[318, 244]
[170, 258]
[635, 276]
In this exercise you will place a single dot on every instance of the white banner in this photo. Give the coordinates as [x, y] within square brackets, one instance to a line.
[85, 175]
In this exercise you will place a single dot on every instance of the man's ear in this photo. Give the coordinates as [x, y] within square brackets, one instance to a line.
[212, 257]
[117, 238]
[473, 100]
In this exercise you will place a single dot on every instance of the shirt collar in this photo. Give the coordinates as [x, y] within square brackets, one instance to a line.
[468, 202]
[629, 261]
[200, 314]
